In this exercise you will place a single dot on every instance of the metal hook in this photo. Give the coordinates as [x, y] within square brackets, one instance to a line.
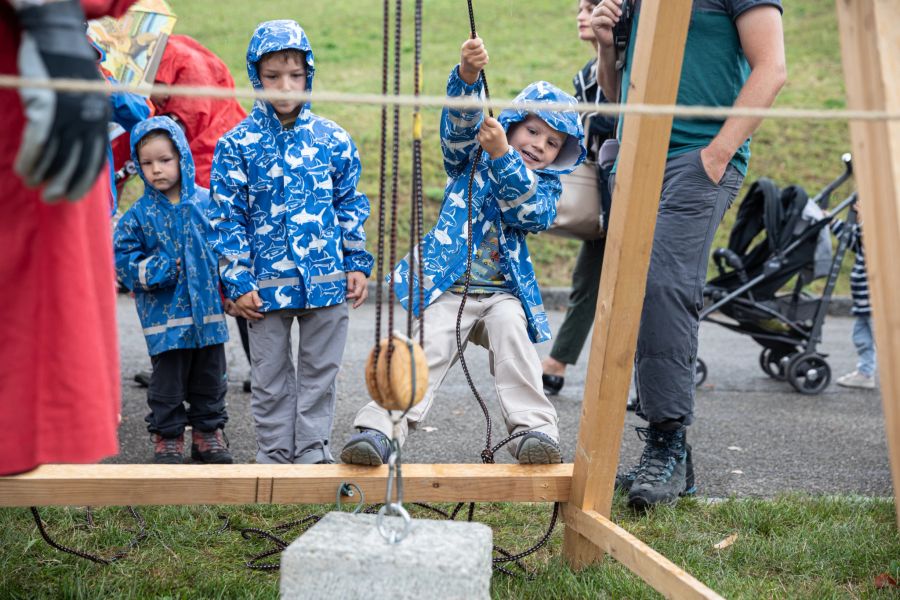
[346, 489]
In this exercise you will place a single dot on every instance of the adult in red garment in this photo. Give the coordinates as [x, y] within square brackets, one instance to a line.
[59, 361]
[187, 62]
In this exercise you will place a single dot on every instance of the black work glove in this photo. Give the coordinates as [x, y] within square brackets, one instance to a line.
[65, 137]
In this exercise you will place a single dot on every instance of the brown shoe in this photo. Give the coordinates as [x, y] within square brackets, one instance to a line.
[168, 451]
[210, 447]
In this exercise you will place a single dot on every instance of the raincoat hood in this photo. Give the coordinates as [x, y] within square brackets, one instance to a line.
[573, 152]
[272, 36]
[185, 160]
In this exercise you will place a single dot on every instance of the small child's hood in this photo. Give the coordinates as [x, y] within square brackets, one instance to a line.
[573, 152]
[185, 161]
[272, 36]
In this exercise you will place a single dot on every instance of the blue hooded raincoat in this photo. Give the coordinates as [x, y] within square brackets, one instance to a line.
[505, 193]
[178, 308]
[287, 218]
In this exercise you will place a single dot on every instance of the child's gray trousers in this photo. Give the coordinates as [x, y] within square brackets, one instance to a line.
[294, 410]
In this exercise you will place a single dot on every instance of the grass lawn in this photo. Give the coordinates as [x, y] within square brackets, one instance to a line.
[791, 547]
[527, 40]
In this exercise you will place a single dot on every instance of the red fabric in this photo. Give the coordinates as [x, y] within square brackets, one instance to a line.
[186, 62]
[59, 359]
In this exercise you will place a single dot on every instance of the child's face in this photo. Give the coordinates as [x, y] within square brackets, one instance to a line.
[538, 143]
[283, 73]
[159, 163]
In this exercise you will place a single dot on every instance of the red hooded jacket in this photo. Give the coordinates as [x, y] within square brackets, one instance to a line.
[186, 62]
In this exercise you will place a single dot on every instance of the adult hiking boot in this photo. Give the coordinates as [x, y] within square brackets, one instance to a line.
[168, 450]
[368, 447]
[210, 447]
[662, 473]
[536, 448]
[625, 480]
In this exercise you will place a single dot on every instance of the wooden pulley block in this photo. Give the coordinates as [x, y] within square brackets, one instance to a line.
[408, 374]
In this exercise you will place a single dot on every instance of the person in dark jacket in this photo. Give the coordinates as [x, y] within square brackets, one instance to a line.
[586, 277]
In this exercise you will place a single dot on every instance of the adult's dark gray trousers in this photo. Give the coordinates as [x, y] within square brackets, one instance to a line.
[691, 207]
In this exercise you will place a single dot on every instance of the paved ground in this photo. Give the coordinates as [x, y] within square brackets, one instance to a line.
[753, 436]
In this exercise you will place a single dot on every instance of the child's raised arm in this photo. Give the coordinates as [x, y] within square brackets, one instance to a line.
[458, 125]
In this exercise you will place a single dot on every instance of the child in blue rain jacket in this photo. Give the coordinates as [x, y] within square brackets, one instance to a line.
[515, 191]
[287, 224]
[161, 254]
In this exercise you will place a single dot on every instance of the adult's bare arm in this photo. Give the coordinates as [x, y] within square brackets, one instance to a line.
[762, 39]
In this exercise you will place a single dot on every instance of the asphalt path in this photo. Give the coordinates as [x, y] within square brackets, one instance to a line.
[752, 436]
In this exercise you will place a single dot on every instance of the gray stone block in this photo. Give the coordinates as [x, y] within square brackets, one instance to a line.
[344, 556]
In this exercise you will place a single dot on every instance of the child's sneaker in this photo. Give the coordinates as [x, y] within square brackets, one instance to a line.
[368, 447]
[538, 448]
[168, 450]
[857, 380]
[210, 447]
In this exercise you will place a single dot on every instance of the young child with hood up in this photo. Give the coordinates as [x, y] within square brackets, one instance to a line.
[162, 254]
[287, 224]
[515, 190]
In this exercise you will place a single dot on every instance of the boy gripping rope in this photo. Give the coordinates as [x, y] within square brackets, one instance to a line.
[161, 254]
[287, 223]
[515, 190]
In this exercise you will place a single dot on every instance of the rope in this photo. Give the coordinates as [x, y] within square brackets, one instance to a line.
[382, 187]
[139, 536]
[676, 110]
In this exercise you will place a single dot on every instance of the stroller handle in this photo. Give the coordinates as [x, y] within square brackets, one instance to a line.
[824, 196]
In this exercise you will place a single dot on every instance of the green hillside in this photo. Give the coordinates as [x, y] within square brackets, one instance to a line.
[527, 40]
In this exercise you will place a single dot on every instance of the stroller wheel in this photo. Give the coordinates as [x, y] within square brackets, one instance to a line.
[773, 364]
[808, 373]
[699, 372]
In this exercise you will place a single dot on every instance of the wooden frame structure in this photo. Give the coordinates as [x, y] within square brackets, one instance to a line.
[870, 39]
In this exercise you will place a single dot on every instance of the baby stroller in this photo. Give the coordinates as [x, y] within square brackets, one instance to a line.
[796, 243]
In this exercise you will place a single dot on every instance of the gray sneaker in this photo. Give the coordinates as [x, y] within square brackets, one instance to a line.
[662, 475]
[536, 448]
[368, 447]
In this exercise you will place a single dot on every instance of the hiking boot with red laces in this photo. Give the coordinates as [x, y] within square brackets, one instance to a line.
[168, 450]
[210, 447]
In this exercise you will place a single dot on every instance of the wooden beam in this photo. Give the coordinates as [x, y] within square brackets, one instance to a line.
[870, 43]
[659, 572]
[655, 74]
[119, 485]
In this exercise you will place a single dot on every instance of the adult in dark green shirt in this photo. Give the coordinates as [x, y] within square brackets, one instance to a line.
[734, 56]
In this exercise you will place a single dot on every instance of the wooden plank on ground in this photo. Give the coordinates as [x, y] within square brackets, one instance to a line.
[655, 74]
[870, 43]
[659, 572]
[118, 485]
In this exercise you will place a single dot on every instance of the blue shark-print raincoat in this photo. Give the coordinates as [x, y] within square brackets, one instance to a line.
[505, 193]
[178, 307]
[287, 218]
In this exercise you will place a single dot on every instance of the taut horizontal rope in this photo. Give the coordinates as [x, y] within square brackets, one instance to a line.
[690, 112]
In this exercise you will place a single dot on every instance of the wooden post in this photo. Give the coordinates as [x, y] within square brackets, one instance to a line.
[656, 71]
[870, 42]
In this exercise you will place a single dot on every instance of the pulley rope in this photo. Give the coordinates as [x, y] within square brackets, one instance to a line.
[138, 537]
